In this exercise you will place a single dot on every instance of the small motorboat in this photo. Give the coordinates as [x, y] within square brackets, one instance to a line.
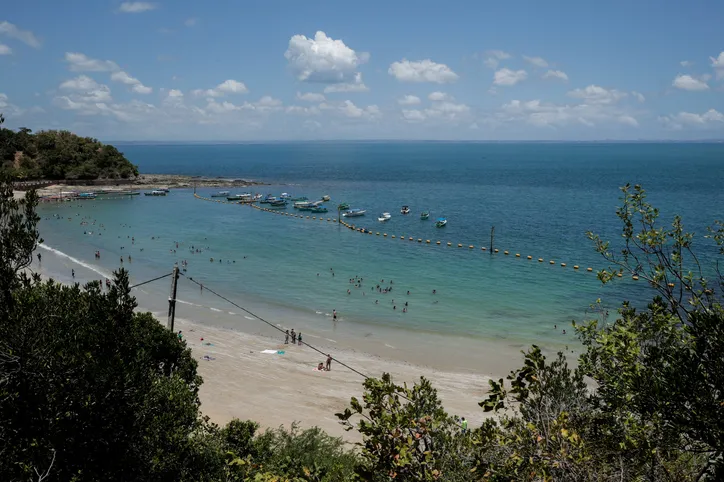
[278, 204]
[405, 210]
[319, 209]
[239, 197]
[164, 189]
[300, 198]
[441, 222]
[285, 195]
[221, 194]
[353, 213]
[343, 207]
[156, 192]
[268, 199]
[326, 197]
[384, 217]
[424, 215]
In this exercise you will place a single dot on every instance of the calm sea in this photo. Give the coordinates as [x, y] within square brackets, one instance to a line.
[541, 199]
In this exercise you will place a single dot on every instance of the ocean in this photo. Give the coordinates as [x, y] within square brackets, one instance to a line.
[540, 197]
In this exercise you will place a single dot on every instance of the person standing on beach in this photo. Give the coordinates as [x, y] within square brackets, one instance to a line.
[464, 425]
[334, 313]
[39, 258]
[299, 338]
[328, 366]
[294, 337]
[286, 338]
[72, 273]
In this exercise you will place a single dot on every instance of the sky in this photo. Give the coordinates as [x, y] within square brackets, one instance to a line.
[233, 70]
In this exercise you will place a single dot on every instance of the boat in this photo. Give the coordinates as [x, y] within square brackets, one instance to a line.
[239, 197]
[441, 222]
[300, 198]
[303, 205]
[405, 210]
[155, 192]
[87, 195]
[424, 215]
[343, 207]
[278, 204]
[163, 189]
[319, 209]
[326, 197]
[353, 213]
[384, 217]
[285, 195]
[268, 199]
[221, 194]
[257, 197]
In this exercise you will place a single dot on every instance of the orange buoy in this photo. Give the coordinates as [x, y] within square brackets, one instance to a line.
[563, 265]
[530, 257]
[460, 245]
[428, 241]
[635, 278]
[589, 269]
[471, 246]
[540, 260]
[419, 240]
[575, 266]
[671, 285]
[438, 243]
[449, 244]
[393, 236]
[553, 262]
[495, 250]
[517, 255]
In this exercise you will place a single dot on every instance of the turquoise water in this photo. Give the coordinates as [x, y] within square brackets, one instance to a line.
[541, 198]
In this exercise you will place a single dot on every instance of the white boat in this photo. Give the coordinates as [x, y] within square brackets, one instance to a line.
[285, 195]
[405, 210]
[384, 217]
[325, 197]
[441, 222]
[353, 213]
[221, 194]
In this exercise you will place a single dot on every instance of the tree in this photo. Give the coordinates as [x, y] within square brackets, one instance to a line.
[89, 389]
[407, 434]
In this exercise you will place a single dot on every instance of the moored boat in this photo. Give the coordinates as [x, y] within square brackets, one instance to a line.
[278, 204]
[87, 195]
[343, 207]
[384, 217]
[299, 199]
[441, 222]
[405, 210]
[221, 194]
[239, 197]
[319, 209]
[164, 189]
[353, 213]
[268, 199]
[155, 192]
[285, 195]
[424, 215]
[326, 197]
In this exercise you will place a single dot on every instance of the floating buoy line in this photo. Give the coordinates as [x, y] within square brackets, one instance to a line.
[361, 230]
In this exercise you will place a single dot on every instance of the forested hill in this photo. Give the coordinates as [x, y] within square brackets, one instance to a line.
[60, 155]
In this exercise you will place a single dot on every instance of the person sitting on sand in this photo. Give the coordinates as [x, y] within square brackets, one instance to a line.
[320, 367]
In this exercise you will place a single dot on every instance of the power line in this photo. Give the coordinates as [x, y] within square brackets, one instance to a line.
[272, 325]
[150, 281]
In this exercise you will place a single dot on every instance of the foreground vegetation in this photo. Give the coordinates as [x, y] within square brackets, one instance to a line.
[91, 390]
[59, 155]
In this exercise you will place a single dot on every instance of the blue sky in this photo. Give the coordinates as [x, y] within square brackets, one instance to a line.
[277, 70]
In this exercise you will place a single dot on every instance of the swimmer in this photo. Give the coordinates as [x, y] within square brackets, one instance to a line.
[434, 292]
[408, 292]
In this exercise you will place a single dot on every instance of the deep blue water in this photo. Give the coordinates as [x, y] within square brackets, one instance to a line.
[541, 198]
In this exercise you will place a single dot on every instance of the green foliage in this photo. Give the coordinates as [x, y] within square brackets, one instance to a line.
[60, 155]
[407, 434]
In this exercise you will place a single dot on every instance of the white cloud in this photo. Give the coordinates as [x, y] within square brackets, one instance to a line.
[718, 65]
[439, 96]
[556, 74]
[413, 115]
[190, 22]
[80, 83]
[594, 94]
[83, 94]
[175, 93]
[494, 58]
[688, 119]
[355, 86]
[509, 77]
[303, 110]
[687, 82]
[323, 59]
[536, 61]
[639, 96]
[5, 50]
[136, 7]
[81, 63]
[409, 100]
[226, 87]
[25, 36]
[136, 85]
[422, 71]
[310, 97]
[352, 111]
[551, 115]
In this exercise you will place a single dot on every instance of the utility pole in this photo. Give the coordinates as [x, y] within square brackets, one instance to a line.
[492, 236]
[172, 299]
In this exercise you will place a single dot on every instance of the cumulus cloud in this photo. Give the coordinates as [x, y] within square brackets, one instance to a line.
[136, 7]
[439, 96]
[718, 65]
[5, 50]
[25, 36]
[687, 82]
[509, 77]
[78, 62]
[136, 85]
[494, 57]
[226, 87]
[349, 109]
[323, 59]
[357, 85]
[686, 63]
[544, 114]
[536, 61]
[303, 110]
[678, 121]
[422, 71]
[409, 100]
[639, 96]
[83, 94]
[310, 97]
[556, 74]
[594, 94]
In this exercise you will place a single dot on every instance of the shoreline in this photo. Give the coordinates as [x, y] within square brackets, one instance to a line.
[241, 382]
